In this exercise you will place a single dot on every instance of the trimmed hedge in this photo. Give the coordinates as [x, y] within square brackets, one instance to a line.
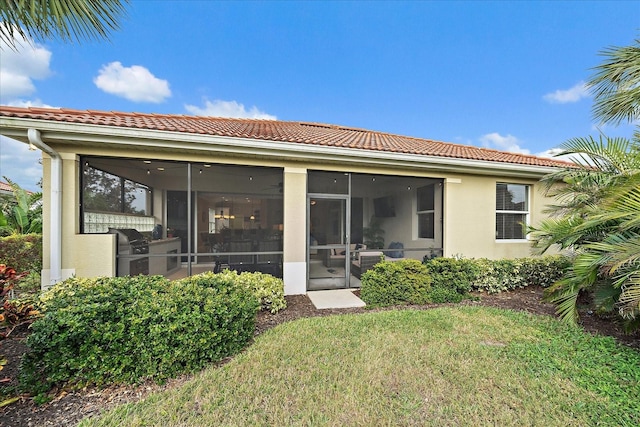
[451, 278]
[506, 274]
[397, 282]
[23, 252]
[128, 329]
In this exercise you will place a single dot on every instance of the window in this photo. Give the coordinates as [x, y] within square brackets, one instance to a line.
[512, 210]
[426, 211]
[107, 192]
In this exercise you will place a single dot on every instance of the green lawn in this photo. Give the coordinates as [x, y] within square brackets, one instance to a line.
[446, 366]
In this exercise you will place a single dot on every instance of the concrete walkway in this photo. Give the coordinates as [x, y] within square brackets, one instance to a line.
[338, 298]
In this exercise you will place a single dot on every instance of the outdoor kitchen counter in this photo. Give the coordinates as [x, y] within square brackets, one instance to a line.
[163, 265]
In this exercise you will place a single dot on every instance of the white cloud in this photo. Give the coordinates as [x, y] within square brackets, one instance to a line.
[505, 143]
[552, 153]
[574, 94]
[27, 103]
[219, 108]
[20, 164]
[20, 67]
[135, 83]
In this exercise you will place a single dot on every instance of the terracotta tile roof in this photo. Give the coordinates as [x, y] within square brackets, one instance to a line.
[273, 130]
[5, 188]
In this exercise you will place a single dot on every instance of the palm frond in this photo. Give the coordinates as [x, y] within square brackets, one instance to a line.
[68, 20]
[564, 294]
[618, 250]
[605, 154]
[552, 231]
[629, 300]
[616, 85]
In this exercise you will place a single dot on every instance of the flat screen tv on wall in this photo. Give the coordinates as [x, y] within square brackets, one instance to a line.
[384, 207]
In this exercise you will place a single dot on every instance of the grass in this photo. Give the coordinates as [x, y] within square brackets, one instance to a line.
[441, 367]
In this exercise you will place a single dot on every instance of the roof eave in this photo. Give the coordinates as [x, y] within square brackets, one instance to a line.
[77, 133]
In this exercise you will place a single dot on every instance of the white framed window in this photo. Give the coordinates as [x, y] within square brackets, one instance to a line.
[425, 210]
[512, 211]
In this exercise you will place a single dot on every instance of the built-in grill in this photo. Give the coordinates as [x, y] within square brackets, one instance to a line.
[132, 250]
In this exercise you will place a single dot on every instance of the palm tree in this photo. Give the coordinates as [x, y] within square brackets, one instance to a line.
[616, 85]
[597, 215]
[618, 254]
[66, 19]
[597, 218]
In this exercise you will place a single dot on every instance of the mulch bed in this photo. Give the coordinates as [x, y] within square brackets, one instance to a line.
[70, 406]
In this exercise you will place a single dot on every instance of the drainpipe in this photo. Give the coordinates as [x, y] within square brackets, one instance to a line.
[55, 248]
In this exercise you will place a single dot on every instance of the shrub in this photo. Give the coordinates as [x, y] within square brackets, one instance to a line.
[268, 289]
[128, 329]
[451, 278]
[22, 251]
[545, 271]
[501, 275]
[397, 282]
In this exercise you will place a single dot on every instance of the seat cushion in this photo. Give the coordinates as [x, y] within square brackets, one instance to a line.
[395, 254]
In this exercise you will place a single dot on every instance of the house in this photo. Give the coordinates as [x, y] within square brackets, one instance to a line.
[5, 189]
[316, 204]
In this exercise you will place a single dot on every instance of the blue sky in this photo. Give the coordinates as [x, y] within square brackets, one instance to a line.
[504, 75]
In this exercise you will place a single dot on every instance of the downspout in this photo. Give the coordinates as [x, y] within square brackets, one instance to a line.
[55, 248]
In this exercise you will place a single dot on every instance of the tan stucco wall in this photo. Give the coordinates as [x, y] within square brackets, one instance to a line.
[93, 254]
[470, 215]
[295, 230]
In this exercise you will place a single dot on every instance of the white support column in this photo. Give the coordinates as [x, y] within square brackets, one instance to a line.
[295, 231]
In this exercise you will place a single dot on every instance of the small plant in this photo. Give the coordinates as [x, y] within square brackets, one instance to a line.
[374, 234]
[8, 278]
[18, 311]
[398, 282]
[13, 312]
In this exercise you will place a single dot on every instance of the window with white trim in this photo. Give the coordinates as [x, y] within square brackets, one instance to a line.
[426, 211]
[512, 211]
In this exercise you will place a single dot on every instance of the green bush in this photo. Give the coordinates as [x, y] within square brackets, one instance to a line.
[23, 252]
[268, 289]
[451, 278]
[545, 271]
[128, 329]
[502, 275]
[498, 275]
[397, 282]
